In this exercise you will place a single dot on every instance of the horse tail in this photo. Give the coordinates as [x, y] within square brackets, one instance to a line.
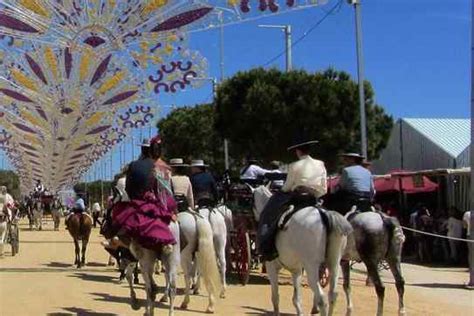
[338, 224]
[396, 235]
[338, 228]
[206, 257]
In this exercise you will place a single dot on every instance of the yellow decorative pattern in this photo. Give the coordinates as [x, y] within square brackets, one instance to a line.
[35, 6]
[85, 63]
[51, 61]
[112, 82]
[31, 139]
[23, 80]
[152, 6]
[95, 119]
[30, 118]
[111, 4]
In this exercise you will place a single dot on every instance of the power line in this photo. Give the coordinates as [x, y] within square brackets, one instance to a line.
[337, 7]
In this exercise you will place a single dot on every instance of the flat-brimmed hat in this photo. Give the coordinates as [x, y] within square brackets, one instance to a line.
[301, 143]
[145, 143]
[177, 162]
[198, 163]
[353, 155]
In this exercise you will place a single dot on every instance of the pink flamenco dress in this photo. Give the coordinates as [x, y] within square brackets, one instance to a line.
[145, 218]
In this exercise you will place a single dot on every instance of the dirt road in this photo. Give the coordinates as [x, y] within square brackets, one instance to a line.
[42, 281]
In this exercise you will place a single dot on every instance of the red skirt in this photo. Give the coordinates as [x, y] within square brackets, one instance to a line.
[145, 221]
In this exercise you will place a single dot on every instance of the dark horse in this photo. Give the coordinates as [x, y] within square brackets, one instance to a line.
[376, 237]
[80, 226]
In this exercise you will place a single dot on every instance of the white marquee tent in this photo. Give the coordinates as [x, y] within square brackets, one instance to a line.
[421, 144]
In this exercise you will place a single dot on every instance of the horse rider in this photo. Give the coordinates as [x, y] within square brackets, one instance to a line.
[252, 171]
[182, 187]
[145, 218]
[305, 183]
[204, 185]
[39, 188]
[78, 208]
[356, 184]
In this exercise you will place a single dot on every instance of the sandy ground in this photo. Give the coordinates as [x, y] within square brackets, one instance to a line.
[42, 281]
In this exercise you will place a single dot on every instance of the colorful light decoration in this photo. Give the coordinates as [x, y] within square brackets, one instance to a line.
[77, 75]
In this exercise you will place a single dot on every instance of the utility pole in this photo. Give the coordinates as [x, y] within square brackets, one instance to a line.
[360, 75]
[471, 245]
[288, 45]
[221, 79]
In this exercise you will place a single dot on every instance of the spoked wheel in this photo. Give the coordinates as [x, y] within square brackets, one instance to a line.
[243, 256]
[323, 275]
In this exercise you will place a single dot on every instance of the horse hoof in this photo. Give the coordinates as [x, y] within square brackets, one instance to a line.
[195, 291]
[135, 304]
[315, 311]
[210, 310]
[222, 295]
[136, 281]
[184, 306]
[402, 312]
[164, 299]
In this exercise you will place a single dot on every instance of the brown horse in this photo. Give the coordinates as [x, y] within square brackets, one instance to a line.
[80, 226]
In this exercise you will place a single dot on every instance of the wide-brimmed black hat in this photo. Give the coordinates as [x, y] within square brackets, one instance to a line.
[298, 143]
[353, 155]
[145, 143]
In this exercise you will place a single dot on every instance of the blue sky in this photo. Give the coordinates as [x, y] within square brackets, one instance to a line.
[416, 52]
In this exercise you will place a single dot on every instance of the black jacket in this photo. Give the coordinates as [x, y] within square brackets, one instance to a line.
[204, 186]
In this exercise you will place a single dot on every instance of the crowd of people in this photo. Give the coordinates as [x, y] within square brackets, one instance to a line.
[452, 224]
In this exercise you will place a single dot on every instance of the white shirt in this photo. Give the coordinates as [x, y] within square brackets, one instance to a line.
[182, 186]
[253, 172]
[467, 222]
[307, 172]
[121, 188]
[96, 207]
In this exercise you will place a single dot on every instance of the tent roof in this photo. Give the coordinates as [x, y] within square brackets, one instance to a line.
[451, 135]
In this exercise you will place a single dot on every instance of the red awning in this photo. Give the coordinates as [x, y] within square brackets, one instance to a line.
[410, 183]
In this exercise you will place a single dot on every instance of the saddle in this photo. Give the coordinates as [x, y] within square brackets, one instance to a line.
[363, 204]
[181, 202]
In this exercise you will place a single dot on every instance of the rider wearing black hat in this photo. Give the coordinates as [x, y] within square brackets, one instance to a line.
[306, 182]
[356, 185]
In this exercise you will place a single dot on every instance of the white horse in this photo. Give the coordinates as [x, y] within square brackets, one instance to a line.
[198, 242]
[146, 260]
[305, 242]
[218, 218]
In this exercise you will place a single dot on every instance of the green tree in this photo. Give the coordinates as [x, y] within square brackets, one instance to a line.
[189, 133]
[261, 110]
[10, 179]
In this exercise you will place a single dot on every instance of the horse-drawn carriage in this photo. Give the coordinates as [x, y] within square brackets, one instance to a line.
[243, 256]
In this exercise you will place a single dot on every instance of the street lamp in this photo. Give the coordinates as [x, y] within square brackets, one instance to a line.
[214, 94]
[287, 30]
[360, 74]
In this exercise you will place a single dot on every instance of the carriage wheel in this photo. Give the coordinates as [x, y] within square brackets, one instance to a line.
[243, 256]
[323, 275]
